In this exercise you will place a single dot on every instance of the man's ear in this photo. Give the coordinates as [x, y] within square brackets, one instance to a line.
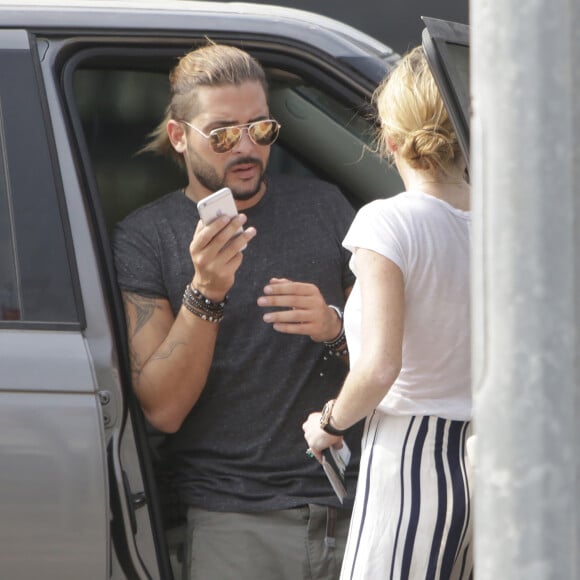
[176, 134]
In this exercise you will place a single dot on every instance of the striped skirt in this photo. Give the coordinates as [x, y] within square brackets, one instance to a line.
[412, 516]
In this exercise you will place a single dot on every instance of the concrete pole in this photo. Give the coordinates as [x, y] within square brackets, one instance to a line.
[525, 82]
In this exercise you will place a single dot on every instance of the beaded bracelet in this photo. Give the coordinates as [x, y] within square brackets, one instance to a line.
[195, 296]
[203, 307]
[338, 346]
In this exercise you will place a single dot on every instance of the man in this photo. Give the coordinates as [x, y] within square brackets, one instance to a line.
[232, 338]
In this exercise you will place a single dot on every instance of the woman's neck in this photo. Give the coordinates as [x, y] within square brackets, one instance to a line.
[450, 187]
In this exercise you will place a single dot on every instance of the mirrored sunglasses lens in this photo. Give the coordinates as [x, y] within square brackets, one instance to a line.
[223, 140]
[263, 132]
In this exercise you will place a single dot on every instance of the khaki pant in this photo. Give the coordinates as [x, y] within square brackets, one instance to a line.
[294, 544]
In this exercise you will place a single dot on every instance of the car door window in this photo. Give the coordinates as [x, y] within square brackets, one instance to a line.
[36, 286]
[118, 109]
[9, 303]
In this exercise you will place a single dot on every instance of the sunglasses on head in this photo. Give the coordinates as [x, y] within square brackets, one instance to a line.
[224, 139]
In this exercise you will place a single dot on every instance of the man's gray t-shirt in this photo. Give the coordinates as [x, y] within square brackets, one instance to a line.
[241, 448]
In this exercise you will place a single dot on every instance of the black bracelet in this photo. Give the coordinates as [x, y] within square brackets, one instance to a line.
[338, 346]
[203, 307]
[196, 296]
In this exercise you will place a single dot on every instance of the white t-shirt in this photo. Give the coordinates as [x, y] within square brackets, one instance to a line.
[429, 240]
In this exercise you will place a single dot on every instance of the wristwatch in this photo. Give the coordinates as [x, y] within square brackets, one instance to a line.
[325, 420]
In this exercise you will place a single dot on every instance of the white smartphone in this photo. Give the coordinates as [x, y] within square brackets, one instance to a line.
[217, 204]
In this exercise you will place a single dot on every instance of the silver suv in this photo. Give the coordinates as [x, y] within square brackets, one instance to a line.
[82, 84]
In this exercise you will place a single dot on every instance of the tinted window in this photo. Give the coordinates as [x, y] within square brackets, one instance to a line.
[36, 276]
[9, 293]
[118, 109]
[457, 62]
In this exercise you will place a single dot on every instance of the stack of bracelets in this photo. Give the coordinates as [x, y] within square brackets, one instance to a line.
[338, 346]
[203, 307]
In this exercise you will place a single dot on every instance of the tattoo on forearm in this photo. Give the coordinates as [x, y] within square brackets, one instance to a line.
[141, 311]
[144, 308]
[136, 364]
[165, 351]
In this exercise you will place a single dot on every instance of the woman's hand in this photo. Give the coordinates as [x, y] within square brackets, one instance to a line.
[317, 438]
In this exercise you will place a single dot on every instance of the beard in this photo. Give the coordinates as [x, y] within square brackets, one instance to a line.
[210, 179]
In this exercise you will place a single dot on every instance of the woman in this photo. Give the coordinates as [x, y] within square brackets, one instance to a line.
[407, 323]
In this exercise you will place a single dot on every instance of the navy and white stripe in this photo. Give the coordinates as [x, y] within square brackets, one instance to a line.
[412, 514]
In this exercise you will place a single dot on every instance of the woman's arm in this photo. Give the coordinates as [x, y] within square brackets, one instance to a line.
[379, 364]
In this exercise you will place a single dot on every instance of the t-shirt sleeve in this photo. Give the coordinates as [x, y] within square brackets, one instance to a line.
[137, 259]
[378, 227]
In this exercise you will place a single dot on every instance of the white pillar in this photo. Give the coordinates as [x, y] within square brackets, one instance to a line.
[525, 150]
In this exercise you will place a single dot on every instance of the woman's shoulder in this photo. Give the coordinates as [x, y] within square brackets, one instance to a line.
[410, 203]
[383, 207]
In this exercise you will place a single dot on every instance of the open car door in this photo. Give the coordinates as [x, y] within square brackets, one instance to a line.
[446, 46]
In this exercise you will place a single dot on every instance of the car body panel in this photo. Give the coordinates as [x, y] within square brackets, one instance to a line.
[52, 351]
[53, 486]
[53, 482]
[173, 16]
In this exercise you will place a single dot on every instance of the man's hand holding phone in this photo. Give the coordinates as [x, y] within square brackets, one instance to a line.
[218, 243]
[217, 204]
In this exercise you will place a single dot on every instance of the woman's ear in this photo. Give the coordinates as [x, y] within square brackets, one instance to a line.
[176, 134]
[391, 146]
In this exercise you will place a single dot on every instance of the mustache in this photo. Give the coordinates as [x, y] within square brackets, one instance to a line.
[243, 161]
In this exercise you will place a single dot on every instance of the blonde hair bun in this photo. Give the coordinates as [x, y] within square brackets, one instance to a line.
[413, 116]
[429, 146]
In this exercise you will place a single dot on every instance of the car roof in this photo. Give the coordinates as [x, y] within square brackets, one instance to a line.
[241, 21]
[172, 15]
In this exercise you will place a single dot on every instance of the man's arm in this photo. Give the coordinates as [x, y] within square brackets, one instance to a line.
[171, 356]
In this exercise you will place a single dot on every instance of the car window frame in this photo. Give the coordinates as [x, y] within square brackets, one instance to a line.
[35, 197]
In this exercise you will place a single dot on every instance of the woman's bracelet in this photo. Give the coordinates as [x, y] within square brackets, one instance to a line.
[203, 307]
